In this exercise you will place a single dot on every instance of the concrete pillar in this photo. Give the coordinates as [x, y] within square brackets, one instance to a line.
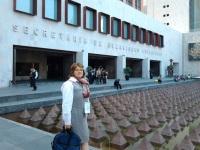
[121, 64]
[82, 57]
[145, 68]
[162, 69]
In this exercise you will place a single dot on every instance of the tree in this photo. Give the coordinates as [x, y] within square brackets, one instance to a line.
[127, 72]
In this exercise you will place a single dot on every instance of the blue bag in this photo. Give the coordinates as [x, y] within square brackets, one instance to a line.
[66, 141]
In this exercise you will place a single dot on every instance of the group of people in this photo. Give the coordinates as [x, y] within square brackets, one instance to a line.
[98, 76]
[182, 77]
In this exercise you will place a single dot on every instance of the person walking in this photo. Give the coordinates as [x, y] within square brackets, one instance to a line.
[33, 77]
[75, 104]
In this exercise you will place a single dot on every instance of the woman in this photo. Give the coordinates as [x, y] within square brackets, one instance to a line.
[73, 105]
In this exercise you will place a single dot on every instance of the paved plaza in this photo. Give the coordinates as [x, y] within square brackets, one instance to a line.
[16, 136]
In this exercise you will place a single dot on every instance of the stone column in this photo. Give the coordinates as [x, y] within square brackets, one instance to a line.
[121, 64]
[145, 68]
[82, 57]
[162, 69]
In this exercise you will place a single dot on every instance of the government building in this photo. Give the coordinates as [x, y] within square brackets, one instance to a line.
[52, 34]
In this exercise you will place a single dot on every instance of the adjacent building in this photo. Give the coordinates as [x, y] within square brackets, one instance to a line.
[183, 16]
[51, 35]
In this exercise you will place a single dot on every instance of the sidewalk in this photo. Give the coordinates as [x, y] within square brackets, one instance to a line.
[15, 136]
[20, 89]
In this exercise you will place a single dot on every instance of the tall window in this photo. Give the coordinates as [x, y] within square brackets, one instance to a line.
[194, 15]
[138, 4]
[89, 18]
[126, 30]
[157, 39]
[161, 44]
[52, 9]
[116, 27]
[134, 33]
[104, 23]
[26, 6]
[73, 13]
[153, 39]
[148, 37]
[142, 35]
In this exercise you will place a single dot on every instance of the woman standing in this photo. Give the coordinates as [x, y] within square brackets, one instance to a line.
[74, 105]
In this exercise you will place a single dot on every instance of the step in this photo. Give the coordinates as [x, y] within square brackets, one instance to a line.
[13, 106]
[13, 98]
[29, 104]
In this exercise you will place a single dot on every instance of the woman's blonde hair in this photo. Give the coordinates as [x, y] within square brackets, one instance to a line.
[73, 68]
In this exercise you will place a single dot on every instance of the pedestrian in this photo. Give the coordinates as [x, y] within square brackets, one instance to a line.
[117, 84]
[159, 79]
[76, 105]
[33, 77]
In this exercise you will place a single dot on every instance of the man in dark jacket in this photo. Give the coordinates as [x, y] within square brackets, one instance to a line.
[33, 77]
[117, 84]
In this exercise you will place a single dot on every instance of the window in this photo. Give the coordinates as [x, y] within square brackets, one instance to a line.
[51, 9]
[153, 39]
[116, 27]
[73, 13]
[134, 33]
[161, 44]
[148, 37]
[157, 39]
[129, 2]
[164, 6]
[104, 23]
[194, 15]
[166, 15]
[26, 6]
[125, 30]
[89, 18]
[142, 35]
[138, 4]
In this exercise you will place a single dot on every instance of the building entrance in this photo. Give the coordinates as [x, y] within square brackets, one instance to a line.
[136, 66]
[107, 62]
[50, 64]
[54, 65]
[155, 67]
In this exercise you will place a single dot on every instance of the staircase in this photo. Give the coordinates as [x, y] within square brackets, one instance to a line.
[14, 102]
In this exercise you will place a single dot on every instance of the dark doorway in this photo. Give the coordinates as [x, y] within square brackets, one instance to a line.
[50, 64]
[155, 67]
[136, 66]
[54, 68]
[107, 62]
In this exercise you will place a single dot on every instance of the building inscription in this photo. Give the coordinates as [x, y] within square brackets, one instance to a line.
[77, 39]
